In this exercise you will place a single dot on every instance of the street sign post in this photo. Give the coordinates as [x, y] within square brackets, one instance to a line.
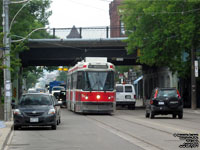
[196, 68]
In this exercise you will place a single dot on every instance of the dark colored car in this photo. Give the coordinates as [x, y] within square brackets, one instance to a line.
[62, 98]
[37, 109]
[165, 101]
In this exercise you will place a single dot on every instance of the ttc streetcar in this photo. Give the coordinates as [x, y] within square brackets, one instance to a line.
[90, 87]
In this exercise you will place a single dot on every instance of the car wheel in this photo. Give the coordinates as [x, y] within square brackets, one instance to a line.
[152, 115]
[131, 107]
[59, 120]
[16, 127]
[180, 116]
[147, 114]
[174, 116]
[54, 127]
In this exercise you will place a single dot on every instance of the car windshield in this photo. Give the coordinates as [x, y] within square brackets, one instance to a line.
[35, 100]
[58, 88]
[32, 91]
[41, 90]
[99, 81]
[167, 93]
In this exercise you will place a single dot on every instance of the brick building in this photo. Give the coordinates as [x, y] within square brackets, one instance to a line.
[116, 25]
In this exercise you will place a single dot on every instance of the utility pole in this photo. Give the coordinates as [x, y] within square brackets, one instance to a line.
[7, 75]
[193, 81]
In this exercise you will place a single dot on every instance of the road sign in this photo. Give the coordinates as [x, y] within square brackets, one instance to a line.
[196, 68]
[121, 76]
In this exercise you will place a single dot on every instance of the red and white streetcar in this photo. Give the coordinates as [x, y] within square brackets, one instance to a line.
[90, 87]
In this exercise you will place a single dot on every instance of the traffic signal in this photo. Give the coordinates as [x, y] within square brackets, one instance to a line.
[63, 69]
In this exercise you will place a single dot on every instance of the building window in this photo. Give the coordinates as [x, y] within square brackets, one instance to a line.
[122, 29]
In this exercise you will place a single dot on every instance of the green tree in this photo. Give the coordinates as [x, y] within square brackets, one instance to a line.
[32, 74]
[62, 76]
[163, 31]
[34, 15]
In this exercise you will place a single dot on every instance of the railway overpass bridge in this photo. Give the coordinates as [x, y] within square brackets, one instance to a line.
[67, 46]
[66, 52]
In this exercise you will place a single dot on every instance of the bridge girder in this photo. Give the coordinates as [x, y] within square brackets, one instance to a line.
[66, 52]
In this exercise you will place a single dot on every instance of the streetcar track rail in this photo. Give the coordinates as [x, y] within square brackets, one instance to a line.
[140, 122]
[127, 136]
[174, 123]
[130, 121]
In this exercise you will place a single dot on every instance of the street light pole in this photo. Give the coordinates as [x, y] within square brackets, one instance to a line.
[7, 75]
[193, 80]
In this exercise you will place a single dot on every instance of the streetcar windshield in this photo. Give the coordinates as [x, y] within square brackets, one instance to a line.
[99, 81]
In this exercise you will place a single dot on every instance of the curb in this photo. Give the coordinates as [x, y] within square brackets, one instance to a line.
[6, 134]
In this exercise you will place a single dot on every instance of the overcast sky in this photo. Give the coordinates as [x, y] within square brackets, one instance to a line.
[81, 13]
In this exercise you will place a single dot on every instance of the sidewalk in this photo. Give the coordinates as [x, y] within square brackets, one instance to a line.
[189, 110]
[5, 131]
[139, 103]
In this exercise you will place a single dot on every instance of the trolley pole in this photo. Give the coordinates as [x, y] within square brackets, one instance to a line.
[6, 62]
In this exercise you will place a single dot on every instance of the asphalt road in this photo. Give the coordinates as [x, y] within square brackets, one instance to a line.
[126, 130]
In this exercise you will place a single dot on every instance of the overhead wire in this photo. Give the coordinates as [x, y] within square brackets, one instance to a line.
[168, 12]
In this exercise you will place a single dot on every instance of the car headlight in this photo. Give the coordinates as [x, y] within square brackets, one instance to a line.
[51, 111]
[17, 112]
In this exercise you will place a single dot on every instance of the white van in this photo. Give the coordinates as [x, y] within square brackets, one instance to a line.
[125, 95]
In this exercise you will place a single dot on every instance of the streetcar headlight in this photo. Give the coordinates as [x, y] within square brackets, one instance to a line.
[109, 97]
[98, 96]
[86, 97]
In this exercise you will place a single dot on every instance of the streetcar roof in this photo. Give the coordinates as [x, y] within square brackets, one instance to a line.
[91, 65]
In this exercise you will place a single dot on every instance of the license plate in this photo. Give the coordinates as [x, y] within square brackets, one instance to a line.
[174, 102]
[161, 103]
[34, 120]
[128, 97]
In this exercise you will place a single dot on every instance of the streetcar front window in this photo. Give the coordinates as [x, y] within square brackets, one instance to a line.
[99, 81]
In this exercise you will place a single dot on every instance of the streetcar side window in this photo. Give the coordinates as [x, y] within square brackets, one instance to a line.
[80, 80]
[109, 83]
[68, 83]
[74, 80]
[71, 81]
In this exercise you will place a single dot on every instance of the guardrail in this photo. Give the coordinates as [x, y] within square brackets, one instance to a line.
[87, 32]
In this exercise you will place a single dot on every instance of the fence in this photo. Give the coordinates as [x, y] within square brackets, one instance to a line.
[86, 32]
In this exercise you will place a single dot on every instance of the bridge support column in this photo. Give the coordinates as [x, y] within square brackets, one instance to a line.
[20, 82]
[15, 90]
